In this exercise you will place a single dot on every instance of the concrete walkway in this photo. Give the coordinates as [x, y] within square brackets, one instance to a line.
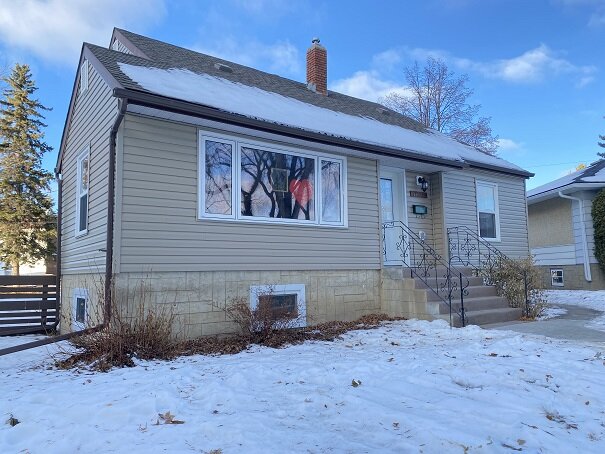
[569, 326]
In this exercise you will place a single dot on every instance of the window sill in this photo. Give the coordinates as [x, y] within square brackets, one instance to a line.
[274, 223]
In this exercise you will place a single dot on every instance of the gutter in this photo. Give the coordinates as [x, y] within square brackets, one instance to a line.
[587, 273]
[123, 103]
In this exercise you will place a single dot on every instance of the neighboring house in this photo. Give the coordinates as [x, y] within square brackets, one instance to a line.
[218, 182]
[561, 234]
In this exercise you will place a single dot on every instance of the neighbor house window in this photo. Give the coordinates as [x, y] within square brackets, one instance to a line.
[84, 76]
[82, 181]
[285, 304]
[487, 210]
[79, 308]
[250, 181]
[556, 277]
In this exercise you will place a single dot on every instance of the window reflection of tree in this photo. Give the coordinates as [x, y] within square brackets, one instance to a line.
[218, 177]
[265, 171]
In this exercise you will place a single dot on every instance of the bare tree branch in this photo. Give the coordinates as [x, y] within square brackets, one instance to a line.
[438, 99]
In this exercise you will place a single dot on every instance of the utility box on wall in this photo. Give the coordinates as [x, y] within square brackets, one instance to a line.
[420, 209]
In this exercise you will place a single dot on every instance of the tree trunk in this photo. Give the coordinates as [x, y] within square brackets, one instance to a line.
[15, 269]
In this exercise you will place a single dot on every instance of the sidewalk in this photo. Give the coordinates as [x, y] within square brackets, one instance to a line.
[569, 326]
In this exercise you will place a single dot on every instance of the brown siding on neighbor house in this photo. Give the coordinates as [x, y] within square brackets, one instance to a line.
[161, 232]
[461, 206]
[550, 223]
[93, 114]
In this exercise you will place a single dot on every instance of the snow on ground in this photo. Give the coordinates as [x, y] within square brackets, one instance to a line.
[421, 387]
[552, 312]
[593, 299]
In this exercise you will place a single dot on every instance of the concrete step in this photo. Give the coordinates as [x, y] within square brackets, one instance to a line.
[474, 281]
[476, 304]
[477, 291]
[487, 316]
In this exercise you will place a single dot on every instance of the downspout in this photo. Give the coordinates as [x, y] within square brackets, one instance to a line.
[111, 189]
[587, 273]
[123, 102]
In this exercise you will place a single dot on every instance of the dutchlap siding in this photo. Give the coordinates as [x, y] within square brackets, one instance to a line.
[93, 114]
[460, 206]
[161, 232]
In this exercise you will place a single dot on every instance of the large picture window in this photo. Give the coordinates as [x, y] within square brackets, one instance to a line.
[268, 184]
[82, 183]
[487, 210]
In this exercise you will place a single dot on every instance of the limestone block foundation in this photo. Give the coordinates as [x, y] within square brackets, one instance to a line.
[198, 299]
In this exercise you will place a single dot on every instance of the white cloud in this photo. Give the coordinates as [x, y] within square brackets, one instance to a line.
[277, 57]
[532, 66]
[508, 145]
[55, 29]
[367, 85]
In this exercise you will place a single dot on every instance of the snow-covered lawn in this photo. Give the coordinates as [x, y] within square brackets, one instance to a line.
[585, 298]
[552, 312]
[409, 386]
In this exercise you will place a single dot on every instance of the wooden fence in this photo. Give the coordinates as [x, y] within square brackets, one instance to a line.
[28, 304]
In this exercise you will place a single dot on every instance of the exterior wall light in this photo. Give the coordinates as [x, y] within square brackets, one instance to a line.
[422, 182]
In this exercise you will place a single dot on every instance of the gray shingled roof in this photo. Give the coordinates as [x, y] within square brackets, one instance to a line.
[591, 175]
[167, 56]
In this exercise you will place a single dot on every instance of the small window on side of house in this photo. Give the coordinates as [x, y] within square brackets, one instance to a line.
[487, 210]
[556, 277]
[84, 76]
[79, 309]
[82, 184]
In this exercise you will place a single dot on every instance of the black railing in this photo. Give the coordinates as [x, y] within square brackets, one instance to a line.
[424, 263]
[468, 249]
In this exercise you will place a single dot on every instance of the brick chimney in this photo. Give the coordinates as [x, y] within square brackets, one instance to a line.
[317, 68]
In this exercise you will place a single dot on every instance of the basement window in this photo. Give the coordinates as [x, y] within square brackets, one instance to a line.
[79, 309]
[286, 304]
[252, 181]
[556, 277]
[82, 183]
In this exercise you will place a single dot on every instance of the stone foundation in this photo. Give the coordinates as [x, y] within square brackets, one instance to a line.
[198, 299]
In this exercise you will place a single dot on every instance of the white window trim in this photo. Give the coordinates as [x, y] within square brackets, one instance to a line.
[236, 182]
[281, 289]
[497, 210]
[552, 281]
[79, 293]
[84, 76]
[84, 154]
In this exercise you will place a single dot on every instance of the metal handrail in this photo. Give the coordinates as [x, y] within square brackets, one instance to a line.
[471, 250]
[423, 262]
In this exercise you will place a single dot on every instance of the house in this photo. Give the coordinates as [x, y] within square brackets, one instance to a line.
[561, 233]
[192, 182]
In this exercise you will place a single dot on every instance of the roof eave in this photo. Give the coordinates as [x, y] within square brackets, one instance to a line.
[553, 193]
[507, 170]
[199, 110]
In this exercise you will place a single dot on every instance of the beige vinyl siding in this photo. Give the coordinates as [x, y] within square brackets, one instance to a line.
[461, 207]
[93, 114]
[161, 232]
[439, 236]
[417, 222]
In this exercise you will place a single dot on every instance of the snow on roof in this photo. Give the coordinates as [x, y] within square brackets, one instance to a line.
[595, 173]
[256, 103]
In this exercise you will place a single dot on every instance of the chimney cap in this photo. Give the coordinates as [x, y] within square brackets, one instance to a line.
[315, 40]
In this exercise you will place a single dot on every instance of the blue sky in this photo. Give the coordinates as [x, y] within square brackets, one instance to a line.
[536, 65]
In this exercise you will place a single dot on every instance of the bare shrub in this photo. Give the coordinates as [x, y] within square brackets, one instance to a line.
[140, 330]
[510, 277]
[265, 319]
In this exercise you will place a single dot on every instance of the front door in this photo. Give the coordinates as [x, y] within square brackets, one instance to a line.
[392, 206]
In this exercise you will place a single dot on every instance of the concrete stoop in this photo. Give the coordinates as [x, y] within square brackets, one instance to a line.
[482, 304]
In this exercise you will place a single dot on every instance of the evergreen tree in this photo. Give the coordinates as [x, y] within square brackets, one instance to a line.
[27, 230]
[602, 144]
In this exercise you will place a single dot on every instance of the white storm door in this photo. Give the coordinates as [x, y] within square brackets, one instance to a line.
[392, 207]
